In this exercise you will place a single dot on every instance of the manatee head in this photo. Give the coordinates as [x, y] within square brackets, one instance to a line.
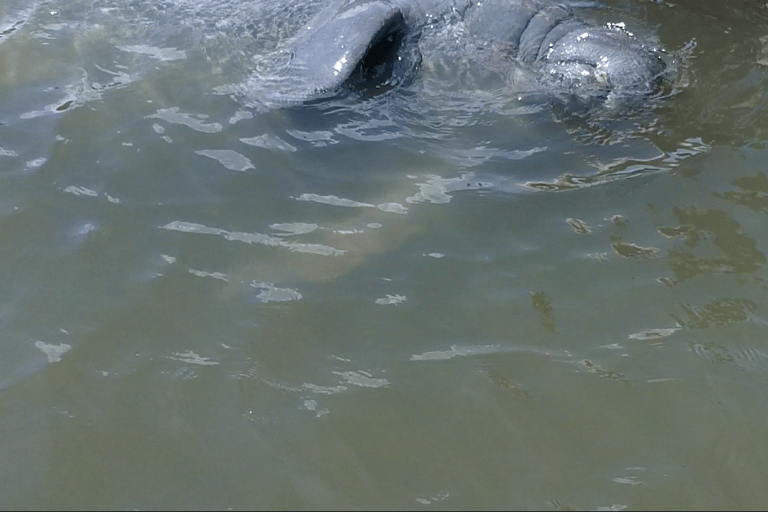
[598, 61]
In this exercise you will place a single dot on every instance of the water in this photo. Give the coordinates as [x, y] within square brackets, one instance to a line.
[448, 296]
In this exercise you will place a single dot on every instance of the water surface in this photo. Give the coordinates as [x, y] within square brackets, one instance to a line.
[459, 294]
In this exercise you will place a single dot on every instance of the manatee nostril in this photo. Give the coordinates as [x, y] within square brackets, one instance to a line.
[377, 68]
[380, 57]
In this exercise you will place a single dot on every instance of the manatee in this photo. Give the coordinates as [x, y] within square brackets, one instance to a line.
[369, 45]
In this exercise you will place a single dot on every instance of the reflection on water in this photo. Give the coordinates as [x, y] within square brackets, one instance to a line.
[446, 296]
[739, 253]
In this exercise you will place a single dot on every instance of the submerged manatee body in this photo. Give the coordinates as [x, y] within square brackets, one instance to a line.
[362, 45]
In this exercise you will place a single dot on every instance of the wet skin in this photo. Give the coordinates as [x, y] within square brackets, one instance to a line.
[356, 45]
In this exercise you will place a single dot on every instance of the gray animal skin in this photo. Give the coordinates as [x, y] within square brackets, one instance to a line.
[359, 45]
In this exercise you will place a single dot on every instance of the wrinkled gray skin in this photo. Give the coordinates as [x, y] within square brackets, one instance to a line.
[359, 45]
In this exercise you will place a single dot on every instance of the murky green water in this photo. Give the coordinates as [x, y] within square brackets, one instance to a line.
[443, 297]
